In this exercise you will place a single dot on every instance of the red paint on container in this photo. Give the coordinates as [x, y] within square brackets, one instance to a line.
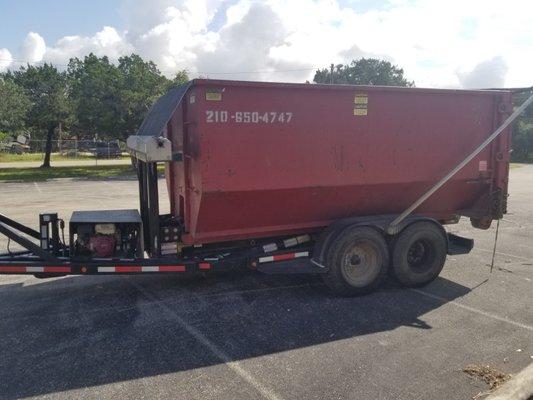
[266, 159]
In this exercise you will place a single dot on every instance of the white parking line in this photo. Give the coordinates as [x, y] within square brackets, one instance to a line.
[37, 187]
[506, 254]
[266, 392]
[475, 310]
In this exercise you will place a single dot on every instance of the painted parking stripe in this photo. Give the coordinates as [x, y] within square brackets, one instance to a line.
[474, 310]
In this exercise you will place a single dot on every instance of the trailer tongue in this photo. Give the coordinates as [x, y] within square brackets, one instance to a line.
[293, 179]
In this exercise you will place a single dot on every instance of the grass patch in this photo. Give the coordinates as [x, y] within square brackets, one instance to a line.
[87, 172]
[100, 172]
[29, 157]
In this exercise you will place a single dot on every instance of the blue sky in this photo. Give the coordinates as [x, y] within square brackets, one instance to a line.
[457, 43]
[54, 19]
[86, 17]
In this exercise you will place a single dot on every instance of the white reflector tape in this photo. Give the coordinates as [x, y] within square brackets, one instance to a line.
[267, 248]
[34, 269]
[290, 242]
[303, 238]
[106, 269]
[266, 259]
[302, 254]
[150, 269]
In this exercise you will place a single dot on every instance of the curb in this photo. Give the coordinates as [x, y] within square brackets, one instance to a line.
[520, 387]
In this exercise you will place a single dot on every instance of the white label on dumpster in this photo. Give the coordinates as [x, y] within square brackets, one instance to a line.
[248, 117]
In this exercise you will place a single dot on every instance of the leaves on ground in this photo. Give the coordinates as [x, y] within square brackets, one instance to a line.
[490, 375]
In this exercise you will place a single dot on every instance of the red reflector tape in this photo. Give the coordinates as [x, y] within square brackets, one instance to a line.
[204, 266]
[57, 269]
[282, 257]
[128, 268]
[23, 269]
[172, 268]
[12, 268]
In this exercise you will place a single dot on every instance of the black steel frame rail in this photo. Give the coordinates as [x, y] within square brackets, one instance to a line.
[27, 244]
[18, 226]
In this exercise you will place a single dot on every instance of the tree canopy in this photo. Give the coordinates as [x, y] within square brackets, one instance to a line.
[365, 71]
[13, 107]
[47, 90]
[92, 98]
[522, 138]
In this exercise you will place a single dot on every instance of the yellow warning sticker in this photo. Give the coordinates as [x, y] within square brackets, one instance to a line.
[360, 104]
[213, 96]
[360, 98]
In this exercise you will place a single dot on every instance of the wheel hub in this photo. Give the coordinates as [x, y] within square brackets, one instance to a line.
[418, 255]
[360, 264]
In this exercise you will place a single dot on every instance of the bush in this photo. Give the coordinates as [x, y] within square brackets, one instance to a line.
[522, 140]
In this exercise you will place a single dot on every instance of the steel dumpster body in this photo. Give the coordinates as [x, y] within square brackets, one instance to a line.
[266, 159]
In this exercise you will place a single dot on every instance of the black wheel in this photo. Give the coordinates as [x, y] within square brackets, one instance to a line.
[419, 254]
[357, 261]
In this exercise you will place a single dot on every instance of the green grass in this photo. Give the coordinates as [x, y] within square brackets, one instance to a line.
[87, 172]
[28, 157]
[100, 172]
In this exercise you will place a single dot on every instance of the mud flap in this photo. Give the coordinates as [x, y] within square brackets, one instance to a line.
[459, 245]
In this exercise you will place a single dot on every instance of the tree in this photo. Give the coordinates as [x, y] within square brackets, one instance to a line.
[112, 100]
[95, 85]
[180, 78]
[141, 84]
[365, 71]
[46, 88]
[522, 136]
[13, 107]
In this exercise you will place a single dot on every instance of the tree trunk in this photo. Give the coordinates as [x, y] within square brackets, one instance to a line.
[48, 148]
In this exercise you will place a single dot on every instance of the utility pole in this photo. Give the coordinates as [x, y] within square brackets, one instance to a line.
[331, 73]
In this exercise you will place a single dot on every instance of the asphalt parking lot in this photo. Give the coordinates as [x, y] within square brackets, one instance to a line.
[255, 336]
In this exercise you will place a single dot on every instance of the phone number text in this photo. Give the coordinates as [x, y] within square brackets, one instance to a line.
[248, 117]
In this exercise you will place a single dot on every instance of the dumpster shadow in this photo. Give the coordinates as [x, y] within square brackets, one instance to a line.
[78, 332]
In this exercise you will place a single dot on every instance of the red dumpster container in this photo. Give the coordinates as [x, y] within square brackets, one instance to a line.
[267, 159]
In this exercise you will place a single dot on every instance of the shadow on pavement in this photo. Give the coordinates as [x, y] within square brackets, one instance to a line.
[78, 332]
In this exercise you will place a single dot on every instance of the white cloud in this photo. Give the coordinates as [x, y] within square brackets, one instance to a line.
[107, 42]
[437, 44]
[33, 48]
[487, 74]
[5, 59]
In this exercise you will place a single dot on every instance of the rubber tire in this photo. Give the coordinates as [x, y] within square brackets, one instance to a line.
[435, 237]
[335, 279]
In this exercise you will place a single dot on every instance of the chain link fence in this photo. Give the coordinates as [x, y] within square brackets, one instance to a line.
[34, 150]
